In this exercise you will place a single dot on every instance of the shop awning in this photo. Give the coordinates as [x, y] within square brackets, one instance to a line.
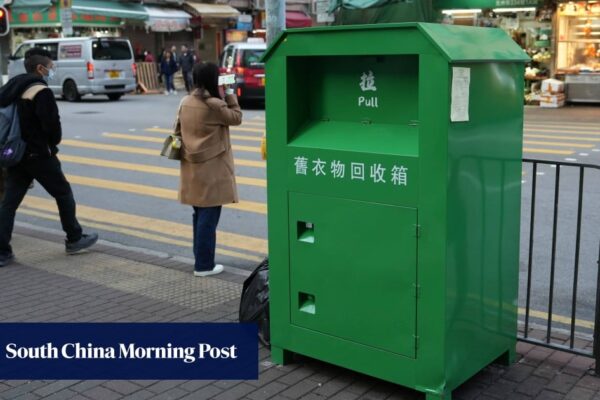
[297, 19]
[167, 19]
[24, 6]
[112, 9]
[212, 10]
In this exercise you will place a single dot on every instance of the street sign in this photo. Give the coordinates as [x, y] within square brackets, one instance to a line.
[66, 20]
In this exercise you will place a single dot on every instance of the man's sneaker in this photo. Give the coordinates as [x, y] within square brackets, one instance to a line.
[6, 259]
[85, 242]
[216, 270]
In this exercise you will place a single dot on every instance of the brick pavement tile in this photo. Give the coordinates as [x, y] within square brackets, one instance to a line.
[123, 387]
[103, 393]
[268, 376]
[312, 396]
[79, 397]
[549, 395]
[4, 387]
[54, 387]
[501, 389]
[518, 372]
[579, 393]
[589, 382]
[300, 389]
[562, 383]
[236, 392]
[65, 394]
[345, 395]
[17, 391]
[267, 391]
[143, 382]
[536, 356]
[532, 386]
[171, 394]
[561, 358]
[361, 387]
[226, 384]
[86, 385]
[26, 396]
[207, 392]
[163, 386]
[330, 388]
[141, 395]
[296, 376]
[467, 391]
[191, 386]
[547, 370]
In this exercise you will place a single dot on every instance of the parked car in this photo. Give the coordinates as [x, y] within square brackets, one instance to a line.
[97, 66]
[244, 60]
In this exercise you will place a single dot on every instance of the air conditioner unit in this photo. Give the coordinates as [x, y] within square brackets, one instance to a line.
[258, 4]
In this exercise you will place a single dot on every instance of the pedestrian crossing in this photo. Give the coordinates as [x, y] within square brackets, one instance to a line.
[541, 137]
[137, 151]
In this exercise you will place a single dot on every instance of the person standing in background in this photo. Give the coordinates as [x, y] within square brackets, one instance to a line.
[186, 63]
[168, 67]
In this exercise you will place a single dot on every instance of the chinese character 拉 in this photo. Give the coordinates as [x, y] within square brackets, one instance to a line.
[301, 164]
[400, 175]
[377, 173]
[358, 171]
[338, 169]
[367, 82]
[319, 167]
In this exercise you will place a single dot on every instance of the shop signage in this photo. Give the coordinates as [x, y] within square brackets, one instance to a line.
[467, 4]
[51, 18]
[244, 22]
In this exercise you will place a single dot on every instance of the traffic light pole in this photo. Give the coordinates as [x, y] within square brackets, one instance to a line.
[275, 19]
[4, 30]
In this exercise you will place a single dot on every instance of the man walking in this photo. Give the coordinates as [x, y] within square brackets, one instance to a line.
[41, 130]
[186, 63]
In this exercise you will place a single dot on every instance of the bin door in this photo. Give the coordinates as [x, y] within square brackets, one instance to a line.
[353, 270]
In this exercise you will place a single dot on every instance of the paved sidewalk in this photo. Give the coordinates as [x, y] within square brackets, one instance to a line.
[111, 284]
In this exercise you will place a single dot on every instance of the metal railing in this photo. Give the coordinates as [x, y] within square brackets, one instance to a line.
[564, 337]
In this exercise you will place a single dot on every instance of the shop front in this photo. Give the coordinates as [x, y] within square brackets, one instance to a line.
[578, 50]
[210, 24]
[528, 22]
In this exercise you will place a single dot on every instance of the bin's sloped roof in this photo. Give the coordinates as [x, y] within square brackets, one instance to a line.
[456, 43]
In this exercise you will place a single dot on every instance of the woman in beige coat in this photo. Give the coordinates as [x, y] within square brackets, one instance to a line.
[207, 170]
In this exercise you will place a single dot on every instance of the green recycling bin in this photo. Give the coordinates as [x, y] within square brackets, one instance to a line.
[394, 187]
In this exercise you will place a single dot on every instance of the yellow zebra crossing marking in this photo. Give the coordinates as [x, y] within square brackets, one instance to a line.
[151, 169]
[586, 139]
[231, 128]
[233, 136]
[138, 150]
[561, 131]
[152, 191]
[154, 225]
[559, 144]
[138, 138]
[546, 151]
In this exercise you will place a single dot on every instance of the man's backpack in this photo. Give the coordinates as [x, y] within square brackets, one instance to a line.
[12, 145]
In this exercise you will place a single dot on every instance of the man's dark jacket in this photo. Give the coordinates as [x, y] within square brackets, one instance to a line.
[186, 61]
[40, 121]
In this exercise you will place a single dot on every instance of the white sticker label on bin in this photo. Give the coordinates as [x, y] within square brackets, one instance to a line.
[461, 80]
[367, 84]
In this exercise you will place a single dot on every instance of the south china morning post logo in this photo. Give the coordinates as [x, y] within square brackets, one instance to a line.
[129, 351]
[89, 351]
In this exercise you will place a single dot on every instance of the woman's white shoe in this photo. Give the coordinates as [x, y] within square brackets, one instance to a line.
[216, 270]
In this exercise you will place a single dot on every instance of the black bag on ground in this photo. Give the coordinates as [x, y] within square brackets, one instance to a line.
[254, 304]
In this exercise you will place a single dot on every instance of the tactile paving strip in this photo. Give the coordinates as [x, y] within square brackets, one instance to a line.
[164, 284]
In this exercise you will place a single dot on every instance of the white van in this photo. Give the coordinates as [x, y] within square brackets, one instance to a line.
[84, 66]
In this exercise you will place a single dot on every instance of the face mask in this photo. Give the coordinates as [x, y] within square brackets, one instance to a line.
[50, 75]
